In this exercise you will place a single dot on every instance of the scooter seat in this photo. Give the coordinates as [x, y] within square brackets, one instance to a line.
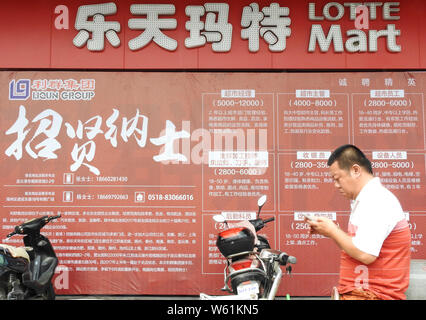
[16, 252]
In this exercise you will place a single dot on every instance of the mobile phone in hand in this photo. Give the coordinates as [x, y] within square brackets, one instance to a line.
[309, 217]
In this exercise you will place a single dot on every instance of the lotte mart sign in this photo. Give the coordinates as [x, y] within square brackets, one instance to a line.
[271, 23]
[197, 34]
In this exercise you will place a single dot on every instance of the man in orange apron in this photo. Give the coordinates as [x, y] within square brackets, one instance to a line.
[375, 259]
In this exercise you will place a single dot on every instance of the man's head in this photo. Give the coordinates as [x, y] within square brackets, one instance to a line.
[350, 170]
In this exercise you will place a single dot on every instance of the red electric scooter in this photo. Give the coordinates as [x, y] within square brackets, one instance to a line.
[253, 269]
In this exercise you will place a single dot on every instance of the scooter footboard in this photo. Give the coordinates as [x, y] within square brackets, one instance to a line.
[40, 274]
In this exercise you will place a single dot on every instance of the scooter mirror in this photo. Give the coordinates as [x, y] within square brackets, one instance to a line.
[261, 201]
[219, 218]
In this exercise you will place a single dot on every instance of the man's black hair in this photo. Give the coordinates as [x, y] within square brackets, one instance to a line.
[348, 155]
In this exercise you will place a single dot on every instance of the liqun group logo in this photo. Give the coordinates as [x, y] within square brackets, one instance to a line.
[52, 89]
[19, 89]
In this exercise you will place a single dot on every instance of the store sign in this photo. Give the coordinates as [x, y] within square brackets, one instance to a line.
[358, 40]
[208, 23]
[271, 24]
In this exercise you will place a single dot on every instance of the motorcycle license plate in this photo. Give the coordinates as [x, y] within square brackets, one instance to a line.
[248, 288]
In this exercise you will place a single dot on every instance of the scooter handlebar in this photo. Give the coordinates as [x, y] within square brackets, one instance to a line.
[21, 229]
[11, 234]
[283, 259]
[260, 223]
[53, 218]
[291, 260]
[269, 220]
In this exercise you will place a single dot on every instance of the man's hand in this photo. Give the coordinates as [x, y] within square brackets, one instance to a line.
[323, 226]
[328, 228]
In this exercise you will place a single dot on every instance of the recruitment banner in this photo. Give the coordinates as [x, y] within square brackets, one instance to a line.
[137, 164]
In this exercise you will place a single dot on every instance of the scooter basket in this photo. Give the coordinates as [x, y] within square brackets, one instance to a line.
[235, 240]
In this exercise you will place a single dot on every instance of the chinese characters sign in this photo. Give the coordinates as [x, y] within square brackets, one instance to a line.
[272, 23]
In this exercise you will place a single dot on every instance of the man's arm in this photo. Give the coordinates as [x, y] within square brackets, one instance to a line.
[328, 228]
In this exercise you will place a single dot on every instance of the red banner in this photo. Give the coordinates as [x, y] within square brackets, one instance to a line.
[192, 34]
[138, 163]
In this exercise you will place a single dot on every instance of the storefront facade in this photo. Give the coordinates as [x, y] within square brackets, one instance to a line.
[140, 120]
